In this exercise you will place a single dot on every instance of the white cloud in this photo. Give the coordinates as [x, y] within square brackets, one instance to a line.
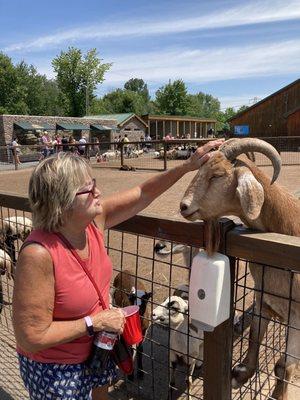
[201, 66]
[253, 13]
[214, 64]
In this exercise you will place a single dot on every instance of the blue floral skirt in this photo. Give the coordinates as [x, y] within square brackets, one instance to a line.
[62, 381]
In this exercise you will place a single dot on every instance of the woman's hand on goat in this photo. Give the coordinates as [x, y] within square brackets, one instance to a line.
[112, 320]
[201, 155]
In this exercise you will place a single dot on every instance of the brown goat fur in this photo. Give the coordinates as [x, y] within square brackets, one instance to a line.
[123, 296]
[240, 188]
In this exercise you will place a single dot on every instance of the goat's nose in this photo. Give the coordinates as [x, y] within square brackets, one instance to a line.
[183, 206]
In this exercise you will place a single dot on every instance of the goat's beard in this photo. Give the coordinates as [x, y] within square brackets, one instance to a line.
[211, 236]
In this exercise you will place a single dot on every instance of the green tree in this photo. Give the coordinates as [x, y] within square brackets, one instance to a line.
[11, 93]
[124, 101]
[77, 78]
[203, 105]
[172, 98]
[99, 106]
[138, 86]
[222, 123]
[242, 108]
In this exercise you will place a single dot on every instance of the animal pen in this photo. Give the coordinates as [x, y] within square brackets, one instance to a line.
[131, 247]
[155, 155]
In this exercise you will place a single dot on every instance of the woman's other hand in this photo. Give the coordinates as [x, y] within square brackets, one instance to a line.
[112, 320]
[201, 155]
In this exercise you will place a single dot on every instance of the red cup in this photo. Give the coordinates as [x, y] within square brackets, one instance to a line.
[132, 332]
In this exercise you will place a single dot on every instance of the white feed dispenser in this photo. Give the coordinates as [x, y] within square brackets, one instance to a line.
[209, 292]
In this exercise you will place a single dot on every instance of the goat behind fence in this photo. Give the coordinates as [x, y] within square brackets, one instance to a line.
[131, 247]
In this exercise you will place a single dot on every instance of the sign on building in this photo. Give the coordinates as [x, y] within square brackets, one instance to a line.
[241, 130]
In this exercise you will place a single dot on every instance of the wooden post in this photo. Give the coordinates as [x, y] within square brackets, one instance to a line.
[122, 154]
[177, 127]
[165, 156]
[156, 130]
[218, 344]
[14, 151]
[164, 128]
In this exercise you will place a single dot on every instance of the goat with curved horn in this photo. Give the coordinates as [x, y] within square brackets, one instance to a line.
[232, 148]
[221, 188]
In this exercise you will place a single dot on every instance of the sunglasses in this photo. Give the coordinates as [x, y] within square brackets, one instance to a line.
[92, 190]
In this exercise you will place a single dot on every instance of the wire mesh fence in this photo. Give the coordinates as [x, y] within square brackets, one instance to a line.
[266, 349]
[152, 155]
[153, 257]
[288, 148]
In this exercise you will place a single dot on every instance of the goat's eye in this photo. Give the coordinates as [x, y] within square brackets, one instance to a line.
[214, 177]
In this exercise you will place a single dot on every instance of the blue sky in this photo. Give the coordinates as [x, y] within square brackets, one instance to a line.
[239, 51]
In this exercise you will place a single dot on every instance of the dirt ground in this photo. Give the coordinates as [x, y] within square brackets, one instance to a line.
[166, 206]
[112, 181]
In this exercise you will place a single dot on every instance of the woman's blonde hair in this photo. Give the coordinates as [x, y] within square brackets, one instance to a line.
[52, 189]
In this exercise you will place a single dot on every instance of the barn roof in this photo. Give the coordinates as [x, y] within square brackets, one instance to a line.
[121, 118]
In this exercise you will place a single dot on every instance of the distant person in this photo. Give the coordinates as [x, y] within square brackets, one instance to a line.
[96, 145]
[168, 138]
[148, 139]
[64, 142]
[16, 151]
[46, 142]
[72, 146]
[210, 132]
[126, 146]
[81, 147]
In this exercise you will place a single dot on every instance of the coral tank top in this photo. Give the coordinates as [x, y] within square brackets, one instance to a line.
[75, 295]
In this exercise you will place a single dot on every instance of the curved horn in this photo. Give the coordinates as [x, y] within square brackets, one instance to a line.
[233, 148]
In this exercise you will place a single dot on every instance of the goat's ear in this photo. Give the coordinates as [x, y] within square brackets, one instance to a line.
[147, 296]
[250, 193]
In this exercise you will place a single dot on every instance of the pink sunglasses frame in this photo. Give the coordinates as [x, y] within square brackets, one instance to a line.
[92, 190]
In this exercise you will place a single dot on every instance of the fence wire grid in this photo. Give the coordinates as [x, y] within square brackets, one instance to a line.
[158, 268]
[154, 155]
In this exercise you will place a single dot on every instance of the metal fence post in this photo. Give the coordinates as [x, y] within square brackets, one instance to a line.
[122, 154]
[165, 156]
[218, 344]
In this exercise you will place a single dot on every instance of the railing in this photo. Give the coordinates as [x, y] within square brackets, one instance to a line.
[154, 155]
[131, 247]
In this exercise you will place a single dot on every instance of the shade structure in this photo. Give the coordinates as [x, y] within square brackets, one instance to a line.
[103, 128]
[29, 126]
[72, 127]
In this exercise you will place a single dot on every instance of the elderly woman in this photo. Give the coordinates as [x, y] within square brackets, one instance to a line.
[56, 309]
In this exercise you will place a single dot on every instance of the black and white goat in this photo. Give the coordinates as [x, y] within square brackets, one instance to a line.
[186, 340]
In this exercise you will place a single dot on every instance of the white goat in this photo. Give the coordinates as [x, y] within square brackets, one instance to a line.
[6, 267]
[111, 154]
[226, 185]
[6, 264]
[186, 341]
